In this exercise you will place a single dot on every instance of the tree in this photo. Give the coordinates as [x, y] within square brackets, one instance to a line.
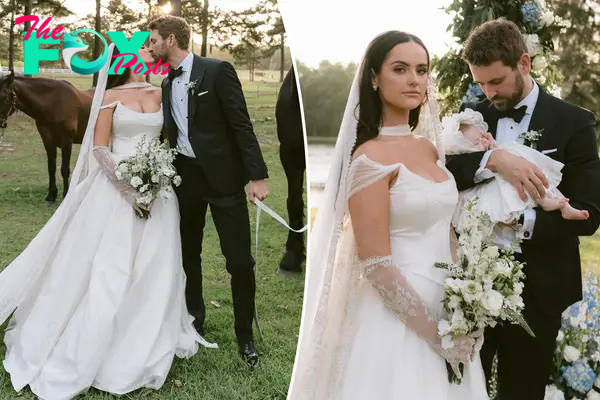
[578, 50]
[324, 95]
[454, 80]
[98, 27]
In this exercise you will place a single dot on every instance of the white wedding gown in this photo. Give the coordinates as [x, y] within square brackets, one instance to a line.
[387, 360]
[108, 310]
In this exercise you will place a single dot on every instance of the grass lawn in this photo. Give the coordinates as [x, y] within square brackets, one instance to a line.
[211, 374]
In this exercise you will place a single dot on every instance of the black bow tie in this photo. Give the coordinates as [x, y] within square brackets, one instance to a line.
[174, 73]
[516, 114]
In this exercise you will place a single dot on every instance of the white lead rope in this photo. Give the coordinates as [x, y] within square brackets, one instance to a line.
[260, 206]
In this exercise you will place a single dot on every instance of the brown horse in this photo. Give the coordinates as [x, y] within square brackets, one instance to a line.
[60, 112]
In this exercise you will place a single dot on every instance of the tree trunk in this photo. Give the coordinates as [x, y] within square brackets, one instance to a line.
[204, 29]
[98, 28]
[11, 44]
[176, 8]
[282, 60]
[28, 11]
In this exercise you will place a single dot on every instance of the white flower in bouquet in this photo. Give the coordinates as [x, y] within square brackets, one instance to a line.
[554, 393]
[560, 337]
[177, 180]
[454, 301]
[492, 252]
[596, 358]
[472, 291]
[593, 395]
[502, 268]
[155, 178]
[548, 18]
[135, 168]
[534, 47]
[571, 353]
[492, 301]
[444, 328]
[518, 288]
[136, 181]
[144, 188]
[515, 301]
[539, 63]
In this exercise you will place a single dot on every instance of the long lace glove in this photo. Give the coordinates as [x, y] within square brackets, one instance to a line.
[108, 165]
[395, 291]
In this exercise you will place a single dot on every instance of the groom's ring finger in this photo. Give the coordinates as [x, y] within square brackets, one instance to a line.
[532, 190]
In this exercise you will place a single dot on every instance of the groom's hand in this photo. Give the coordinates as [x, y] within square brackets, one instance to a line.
[257, 190]
[520, 173]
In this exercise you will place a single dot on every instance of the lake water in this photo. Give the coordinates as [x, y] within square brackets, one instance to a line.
[319, 160]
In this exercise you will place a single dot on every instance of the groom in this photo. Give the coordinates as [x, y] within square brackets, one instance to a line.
[497, 56]
[205, 115]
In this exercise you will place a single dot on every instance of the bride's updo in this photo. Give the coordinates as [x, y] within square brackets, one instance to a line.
[370, 105]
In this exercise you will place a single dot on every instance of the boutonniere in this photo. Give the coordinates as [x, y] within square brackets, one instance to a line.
[192, 87]
[532, 137]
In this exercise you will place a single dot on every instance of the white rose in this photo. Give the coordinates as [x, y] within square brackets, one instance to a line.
[539, 63]
[492, 252]
[502, 268]
[593, 395]
[548, 18]
[155, 178]
[571, 353]
[596, 358]
[534, 47]
[575, 321]
[493, 301]
[560, 337]
[454, 301]
[177, 180]
[554, 393]
[145, 199]
[144, 188]
[136, 181]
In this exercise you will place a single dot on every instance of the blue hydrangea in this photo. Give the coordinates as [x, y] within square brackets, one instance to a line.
[473, 93]
[580, 376]
[531, 13]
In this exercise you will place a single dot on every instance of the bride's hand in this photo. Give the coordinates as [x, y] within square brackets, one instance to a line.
[461, 352]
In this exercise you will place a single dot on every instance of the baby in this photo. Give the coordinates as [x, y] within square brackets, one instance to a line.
[466, 132]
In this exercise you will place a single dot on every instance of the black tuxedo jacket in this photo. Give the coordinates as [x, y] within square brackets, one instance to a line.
[219, 127]
[553, 265]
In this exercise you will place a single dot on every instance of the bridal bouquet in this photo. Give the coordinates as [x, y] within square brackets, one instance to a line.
[484, 287]
[150, 172]
[576, 371]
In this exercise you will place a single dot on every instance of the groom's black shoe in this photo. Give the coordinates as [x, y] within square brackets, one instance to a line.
[200, 330]
[249, 353]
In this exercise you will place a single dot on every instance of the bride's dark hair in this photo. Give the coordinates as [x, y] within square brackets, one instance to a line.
[117, 80]
[369, 103]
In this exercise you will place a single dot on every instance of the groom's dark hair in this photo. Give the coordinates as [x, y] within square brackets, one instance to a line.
[495, 40]
[172, 25]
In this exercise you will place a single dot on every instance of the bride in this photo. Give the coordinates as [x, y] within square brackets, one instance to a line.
[99, 292]
[373, 295]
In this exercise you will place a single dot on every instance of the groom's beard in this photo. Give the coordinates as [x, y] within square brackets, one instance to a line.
[513, 100]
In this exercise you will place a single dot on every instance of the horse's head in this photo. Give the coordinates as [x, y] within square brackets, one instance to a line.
[8, 98]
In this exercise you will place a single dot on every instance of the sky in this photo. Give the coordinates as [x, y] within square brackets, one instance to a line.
[338, 31]
[85, 7]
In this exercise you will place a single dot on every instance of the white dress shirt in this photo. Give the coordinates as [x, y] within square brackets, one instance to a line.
[179, 105]
[509, 131]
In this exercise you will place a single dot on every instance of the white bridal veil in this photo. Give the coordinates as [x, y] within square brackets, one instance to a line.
[24, 273]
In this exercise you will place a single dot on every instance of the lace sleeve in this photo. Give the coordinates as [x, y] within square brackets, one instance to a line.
[369, 211]
[109, 167]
